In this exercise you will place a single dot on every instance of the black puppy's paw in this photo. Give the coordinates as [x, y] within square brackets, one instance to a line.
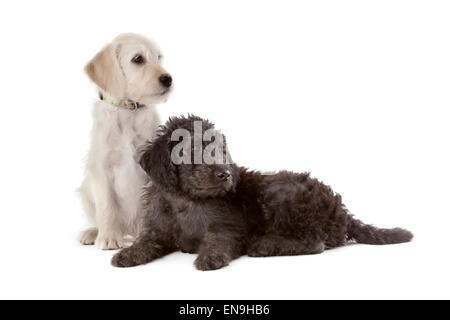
[124, 259]
[211, 261]
[260, 248]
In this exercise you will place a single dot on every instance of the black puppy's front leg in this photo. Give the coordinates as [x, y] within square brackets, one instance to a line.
[218, 250]
[148, 247]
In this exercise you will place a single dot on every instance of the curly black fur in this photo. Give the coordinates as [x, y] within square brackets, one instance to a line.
[190, 209]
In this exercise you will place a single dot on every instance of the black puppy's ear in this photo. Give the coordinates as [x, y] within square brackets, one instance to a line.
[157, 163]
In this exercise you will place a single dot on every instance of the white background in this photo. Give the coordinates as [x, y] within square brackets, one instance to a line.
[357, 92]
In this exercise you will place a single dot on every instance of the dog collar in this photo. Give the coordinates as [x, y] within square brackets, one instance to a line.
[124, 103]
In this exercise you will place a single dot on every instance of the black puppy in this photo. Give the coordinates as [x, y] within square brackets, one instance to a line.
[222, 211]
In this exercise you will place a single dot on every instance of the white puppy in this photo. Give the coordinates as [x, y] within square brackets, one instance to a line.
[131, 82]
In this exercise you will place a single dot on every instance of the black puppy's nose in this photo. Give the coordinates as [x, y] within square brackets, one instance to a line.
[165, 80]
[223, 175]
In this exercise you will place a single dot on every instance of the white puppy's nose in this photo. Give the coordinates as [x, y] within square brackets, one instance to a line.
[165, 80]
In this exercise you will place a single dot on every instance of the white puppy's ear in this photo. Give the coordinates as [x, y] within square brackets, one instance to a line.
[106, 72]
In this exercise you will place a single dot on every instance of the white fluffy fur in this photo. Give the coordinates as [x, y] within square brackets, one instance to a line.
[112, 186]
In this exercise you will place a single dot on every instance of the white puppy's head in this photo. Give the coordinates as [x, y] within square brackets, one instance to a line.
[129, 68]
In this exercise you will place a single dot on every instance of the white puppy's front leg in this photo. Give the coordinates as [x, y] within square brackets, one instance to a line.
[110, 236]
[109, 241]
[88, 236]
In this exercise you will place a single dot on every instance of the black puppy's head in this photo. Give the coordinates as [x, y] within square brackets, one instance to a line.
[189, 156]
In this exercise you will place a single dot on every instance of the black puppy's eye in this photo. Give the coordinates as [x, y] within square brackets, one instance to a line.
[138, 59]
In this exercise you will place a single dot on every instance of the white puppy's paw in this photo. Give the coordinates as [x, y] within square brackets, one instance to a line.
[109, 242]
[88, 236]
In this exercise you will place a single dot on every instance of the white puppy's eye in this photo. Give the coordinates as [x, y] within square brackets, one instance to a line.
[160, 57]
[138, 59]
